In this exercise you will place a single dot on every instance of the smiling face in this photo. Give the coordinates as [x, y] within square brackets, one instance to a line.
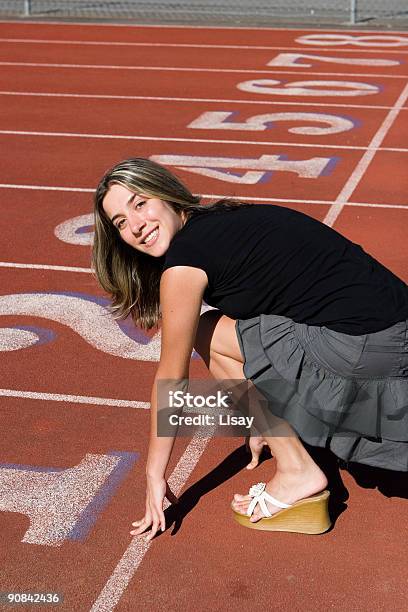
[145, 223]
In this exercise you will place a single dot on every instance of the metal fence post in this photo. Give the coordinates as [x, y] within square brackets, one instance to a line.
[353, 12]
[27, 8]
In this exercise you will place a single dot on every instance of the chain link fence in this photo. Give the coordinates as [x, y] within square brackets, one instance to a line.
[216, 12]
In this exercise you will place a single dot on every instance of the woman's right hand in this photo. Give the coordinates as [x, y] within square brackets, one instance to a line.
[254, 445]
[157, 489]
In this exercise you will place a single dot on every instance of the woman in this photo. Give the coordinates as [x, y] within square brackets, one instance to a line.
[319, 326]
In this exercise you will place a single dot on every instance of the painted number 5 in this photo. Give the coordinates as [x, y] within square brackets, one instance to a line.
[221, 120]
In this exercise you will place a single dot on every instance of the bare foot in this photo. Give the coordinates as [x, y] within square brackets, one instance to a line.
[287, 487]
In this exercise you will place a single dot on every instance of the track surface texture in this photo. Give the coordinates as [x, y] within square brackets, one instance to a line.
[315, 120]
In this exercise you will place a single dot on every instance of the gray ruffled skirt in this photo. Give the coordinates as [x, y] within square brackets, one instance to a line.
[346, 393]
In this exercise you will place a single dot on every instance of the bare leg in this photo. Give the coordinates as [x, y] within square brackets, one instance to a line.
[297, 475]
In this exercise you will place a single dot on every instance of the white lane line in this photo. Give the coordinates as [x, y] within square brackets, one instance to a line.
[9, 264]
[189, 27]
[365, 161]
[210, 196]
[74, 399]
[171, 99]
[294, 201]
[192, 69]
[203, 140]
[46, 188]
[101, 43]
[135, 552]
[100, 401]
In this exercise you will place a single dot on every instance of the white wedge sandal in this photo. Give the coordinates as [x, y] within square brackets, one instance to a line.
[309, 515]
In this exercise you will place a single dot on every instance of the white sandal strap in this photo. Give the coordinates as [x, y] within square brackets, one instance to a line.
[259, 495]
[253, 503]
[263, 506]
[275, 501]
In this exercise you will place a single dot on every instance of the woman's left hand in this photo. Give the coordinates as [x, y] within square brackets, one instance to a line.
[157, 490]
[254, 445]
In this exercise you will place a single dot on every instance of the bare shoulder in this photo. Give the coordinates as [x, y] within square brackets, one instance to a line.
[181, 294]
[182, 281]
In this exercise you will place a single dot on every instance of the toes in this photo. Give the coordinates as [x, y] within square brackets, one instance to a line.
[241, 506]
[239, 497]
[256, 517]
[241, 502]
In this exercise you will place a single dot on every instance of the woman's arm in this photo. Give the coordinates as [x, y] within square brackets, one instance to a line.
[181, 293]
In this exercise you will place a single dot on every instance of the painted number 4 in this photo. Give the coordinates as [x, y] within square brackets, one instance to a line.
[247, 171]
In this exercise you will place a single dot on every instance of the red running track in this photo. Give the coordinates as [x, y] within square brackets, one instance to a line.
[74, 100]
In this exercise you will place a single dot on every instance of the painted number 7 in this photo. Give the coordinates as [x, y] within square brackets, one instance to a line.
[292, 59]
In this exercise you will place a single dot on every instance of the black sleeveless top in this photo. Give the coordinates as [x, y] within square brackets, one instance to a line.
[266, 259]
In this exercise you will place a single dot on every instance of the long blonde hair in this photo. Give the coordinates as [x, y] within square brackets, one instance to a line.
[130, 277]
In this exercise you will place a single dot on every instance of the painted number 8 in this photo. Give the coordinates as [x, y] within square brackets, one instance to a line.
[347, 39]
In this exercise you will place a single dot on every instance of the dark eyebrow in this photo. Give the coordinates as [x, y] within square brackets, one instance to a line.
[129, 201]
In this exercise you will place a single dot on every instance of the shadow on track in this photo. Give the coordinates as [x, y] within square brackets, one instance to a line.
[390, 483]
[235, 462]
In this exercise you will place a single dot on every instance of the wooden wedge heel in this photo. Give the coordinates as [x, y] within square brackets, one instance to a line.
[309, 515]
